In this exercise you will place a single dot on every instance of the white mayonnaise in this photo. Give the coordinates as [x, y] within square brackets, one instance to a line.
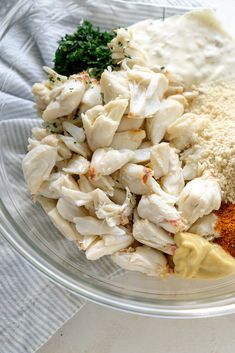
[195, 46]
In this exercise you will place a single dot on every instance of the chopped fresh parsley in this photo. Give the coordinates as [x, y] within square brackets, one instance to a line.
[85, 49]
[51, 79]
[102, 96]
[52, 127]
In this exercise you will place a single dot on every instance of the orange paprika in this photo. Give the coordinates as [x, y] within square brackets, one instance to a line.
[225, 226]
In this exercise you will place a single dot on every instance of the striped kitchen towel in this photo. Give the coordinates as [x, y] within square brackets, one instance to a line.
[31, 307]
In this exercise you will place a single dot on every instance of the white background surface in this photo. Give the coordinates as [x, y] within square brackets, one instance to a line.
[96, 329]
[101, 330]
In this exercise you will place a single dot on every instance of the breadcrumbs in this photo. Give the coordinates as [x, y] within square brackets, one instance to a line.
[215, 145]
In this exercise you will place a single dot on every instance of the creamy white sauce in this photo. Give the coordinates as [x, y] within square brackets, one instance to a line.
[195, 46]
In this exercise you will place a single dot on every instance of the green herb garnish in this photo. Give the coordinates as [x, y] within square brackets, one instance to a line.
[85, 49]
[52, 127]
[51, 79]
[102, 96]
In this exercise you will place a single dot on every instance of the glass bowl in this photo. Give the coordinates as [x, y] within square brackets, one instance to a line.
[28, 38]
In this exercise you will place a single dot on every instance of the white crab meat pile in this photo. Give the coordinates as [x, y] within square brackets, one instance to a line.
[106, 165]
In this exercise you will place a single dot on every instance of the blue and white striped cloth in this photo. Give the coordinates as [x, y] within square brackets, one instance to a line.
[31, 307]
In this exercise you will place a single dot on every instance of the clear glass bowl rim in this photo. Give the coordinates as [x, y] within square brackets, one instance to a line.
[192, 309]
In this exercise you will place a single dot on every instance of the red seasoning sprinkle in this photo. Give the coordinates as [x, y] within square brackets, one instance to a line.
[226, 227]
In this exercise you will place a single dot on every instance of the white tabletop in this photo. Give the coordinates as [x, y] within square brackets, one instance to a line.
[101, 330]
